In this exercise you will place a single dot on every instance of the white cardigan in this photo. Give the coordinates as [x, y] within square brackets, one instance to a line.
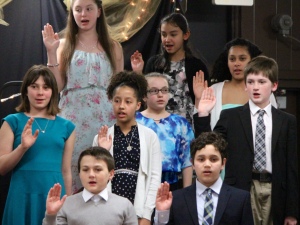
[149, 175]
[216, 111]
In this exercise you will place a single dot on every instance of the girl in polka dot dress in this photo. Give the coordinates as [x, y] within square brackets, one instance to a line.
[135, 148]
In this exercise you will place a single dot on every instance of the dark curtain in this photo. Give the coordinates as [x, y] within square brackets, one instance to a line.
[22, 46]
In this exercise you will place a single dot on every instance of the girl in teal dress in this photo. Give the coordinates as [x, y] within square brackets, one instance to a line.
[37, 146]
[82, 62]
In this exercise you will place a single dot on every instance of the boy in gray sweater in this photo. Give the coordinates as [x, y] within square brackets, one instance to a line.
[95, 205]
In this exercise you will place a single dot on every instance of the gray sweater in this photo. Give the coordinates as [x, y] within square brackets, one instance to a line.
[115, 211]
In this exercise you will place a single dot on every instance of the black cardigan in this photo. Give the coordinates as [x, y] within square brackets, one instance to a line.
[192, 65]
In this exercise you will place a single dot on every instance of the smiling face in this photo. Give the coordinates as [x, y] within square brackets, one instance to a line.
[259, 89]
[238, 57]
[208, 165]
[39, 95]
[157, 102]
[85, 14]
[94, 174]
[125, 105]
[172, 38]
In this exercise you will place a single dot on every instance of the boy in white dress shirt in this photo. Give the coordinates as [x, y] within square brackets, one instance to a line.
[208, 201]
[95, 205]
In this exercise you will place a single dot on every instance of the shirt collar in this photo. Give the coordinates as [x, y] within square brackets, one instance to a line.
[254, 108]
[216, 187]
[88, 195]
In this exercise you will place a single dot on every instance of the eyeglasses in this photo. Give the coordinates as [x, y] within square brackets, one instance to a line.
[155, 91]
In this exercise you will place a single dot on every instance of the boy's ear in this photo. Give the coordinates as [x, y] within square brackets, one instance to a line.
[192, 164]
[223, 164]
[111, 174]
[274, 86]
[186, 35]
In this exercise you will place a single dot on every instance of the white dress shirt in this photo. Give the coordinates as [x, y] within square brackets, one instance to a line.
[95, 198]
[268, 123]
[162, 217]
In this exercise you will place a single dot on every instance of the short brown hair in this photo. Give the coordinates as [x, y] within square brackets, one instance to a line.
[262, 64]
[98, 153]
[30, 77]
[209, 138]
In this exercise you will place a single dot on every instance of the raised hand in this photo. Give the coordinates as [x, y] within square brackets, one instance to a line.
[207, 102]
[50, 39]
[164, 197]
[137, 62]
[53, 202]
[199, 84]
[102, 138]
[27, 139]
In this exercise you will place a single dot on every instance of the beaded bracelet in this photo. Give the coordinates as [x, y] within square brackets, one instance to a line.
[56, 65]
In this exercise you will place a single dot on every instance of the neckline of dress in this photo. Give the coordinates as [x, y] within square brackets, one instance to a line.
[100, 52]
[39, 117]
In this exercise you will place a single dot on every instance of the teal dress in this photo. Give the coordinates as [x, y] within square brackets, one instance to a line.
[227, 106]
[37, 171]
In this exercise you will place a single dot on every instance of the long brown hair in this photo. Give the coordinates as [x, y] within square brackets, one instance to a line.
[70, 39]
[30, 77]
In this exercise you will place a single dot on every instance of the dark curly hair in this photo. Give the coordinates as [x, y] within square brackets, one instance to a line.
[130, 79]
[220, 71]
[209, 138]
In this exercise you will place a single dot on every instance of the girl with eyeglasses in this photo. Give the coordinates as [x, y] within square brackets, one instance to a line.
[174, 132]
[177, 61]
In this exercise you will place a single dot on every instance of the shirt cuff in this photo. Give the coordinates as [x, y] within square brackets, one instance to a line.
[161, 217]
[195, 110]
[49, 219]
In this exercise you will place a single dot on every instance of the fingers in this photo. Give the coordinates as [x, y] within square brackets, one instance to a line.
[63, 199]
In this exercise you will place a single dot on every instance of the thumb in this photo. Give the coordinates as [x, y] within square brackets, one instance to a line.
[36, 133]
[110, 138]
[62, 201]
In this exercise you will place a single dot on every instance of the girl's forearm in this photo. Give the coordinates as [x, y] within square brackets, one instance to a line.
[10, 160]
[187, 176]
[67, 177]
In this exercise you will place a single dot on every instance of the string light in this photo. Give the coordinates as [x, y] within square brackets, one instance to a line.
[143, 10]
[11, 97]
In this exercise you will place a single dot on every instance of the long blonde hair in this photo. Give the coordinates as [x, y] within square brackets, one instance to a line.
[69, 33]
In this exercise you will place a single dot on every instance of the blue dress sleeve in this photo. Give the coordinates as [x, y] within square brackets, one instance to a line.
[187, 136]
[12, 121]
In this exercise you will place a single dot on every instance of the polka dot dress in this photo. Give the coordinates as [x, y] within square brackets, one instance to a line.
[127, 162]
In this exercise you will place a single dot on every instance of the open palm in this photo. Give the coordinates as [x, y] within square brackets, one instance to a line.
[164, 197]
[102, 138]
[50, 39]
[137, 62]
[207, 102]
[53, 202]
[27, 139]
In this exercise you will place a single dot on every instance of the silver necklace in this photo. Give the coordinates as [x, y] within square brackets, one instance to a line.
[129, 147]
[88, 47]
[43, 131]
